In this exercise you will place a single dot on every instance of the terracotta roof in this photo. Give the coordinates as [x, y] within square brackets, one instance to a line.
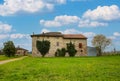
[52, 34]
[59, 34]
[75, 36]
[18, 48]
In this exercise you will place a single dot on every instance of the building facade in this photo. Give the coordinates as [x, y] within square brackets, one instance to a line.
[92, 51]
[21, 51]
[58, 41]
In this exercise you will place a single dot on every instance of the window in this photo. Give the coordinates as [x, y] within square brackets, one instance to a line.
[80, 45]
[81, 50]
[57, 44]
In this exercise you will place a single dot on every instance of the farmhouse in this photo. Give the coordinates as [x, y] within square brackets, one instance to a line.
[21, 51]
[58, 41]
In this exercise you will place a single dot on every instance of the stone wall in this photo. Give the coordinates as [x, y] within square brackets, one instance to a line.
[80, 51]
[59, 42]
[21, 52]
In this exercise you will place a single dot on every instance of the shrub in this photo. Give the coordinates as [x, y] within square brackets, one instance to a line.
[60, 52]
[43, 47]
[71, 49]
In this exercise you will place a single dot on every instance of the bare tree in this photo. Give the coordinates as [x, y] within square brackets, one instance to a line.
[100, 42]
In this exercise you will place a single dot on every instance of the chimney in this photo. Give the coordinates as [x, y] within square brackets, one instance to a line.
[33, 33]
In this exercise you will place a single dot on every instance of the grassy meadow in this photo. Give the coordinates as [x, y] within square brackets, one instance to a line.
[3, 57]
[105, 68]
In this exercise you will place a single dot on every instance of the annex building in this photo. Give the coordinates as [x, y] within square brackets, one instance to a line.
[21, 51]
[59, 40]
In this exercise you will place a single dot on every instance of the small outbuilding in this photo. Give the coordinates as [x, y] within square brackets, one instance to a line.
[21, 51]
[91, 51]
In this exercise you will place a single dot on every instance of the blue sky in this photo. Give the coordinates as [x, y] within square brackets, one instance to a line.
[20, 18]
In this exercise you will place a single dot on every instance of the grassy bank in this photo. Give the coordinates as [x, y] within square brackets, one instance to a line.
[105, 68]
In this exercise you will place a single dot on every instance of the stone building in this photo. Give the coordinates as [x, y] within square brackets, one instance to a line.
[59, 40]
[92, 51]
[21, 51]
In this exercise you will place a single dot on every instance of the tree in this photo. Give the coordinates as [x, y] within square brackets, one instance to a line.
[100, 42]
[71, 49]
[43, 47]
[9, 49]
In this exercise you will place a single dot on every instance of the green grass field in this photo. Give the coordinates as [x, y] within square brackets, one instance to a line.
[3, 57]
[106, 68]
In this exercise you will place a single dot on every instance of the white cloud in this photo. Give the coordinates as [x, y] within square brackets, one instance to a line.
[19, 36]
[45, 30]
[80, 0]
[64, 20]
[4, 28]
[67, 31]
[74, 31]
[106, 13]
[95, 18]
[70, 31]
[24, 45]
[50, 23]
[116, 34]
[3, 36]
[60, 21]
[98, 17]
[88, 23]
[112, 37]
[61, 1]
[89, 34]
[10, 7]
[55, 1]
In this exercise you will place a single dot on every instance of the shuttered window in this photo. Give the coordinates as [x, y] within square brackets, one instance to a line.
[80, 45]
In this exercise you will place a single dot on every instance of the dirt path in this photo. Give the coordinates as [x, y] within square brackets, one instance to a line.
[10, 60]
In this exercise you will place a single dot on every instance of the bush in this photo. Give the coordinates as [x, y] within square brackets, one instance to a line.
[9, 49]
[71, 49]
[60, 52]
[43, 47]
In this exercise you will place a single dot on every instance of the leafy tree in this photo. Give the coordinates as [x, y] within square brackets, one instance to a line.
[9, 49]
[43, 47]
[100, 42]
[71, 49]
[60, 52]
